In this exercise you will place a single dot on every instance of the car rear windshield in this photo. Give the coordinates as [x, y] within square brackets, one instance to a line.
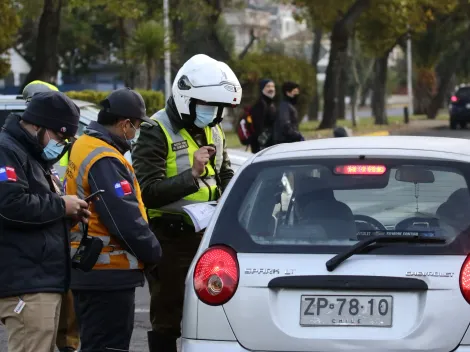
[324, 206]
[463, 93]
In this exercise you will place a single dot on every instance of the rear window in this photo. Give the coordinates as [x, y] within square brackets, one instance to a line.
[463, 93]
[325, 206]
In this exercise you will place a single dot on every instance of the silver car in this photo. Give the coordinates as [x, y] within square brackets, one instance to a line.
[346, 244]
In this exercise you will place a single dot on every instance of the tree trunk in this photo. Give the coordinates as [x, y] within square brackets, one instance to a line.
[338, 54]
[365, 93]
[247, 48]
[149, 67]
[315, 103]
[46, 65]
[446, 72]
[424, 90]
[379, 94]
[343, 87]
[128, 82]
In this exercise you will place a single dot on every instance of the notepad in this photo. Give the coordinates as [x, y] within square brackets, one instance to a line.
[200, 214]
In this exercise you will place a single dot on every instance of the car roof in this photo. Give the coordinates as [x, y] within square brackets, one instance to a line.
[407, 146]
[18, 99]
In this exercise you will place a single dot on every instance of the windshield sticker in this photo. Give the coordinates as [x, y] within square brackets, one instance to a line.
[364, 234]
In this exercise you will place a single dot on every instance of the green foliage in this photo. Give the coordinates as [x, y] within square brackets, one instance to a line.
[154, 101]
[280, 69]
[9, 25]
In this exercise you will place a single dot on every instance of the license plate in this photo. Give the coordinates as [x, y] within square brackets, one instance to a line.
[357, 310]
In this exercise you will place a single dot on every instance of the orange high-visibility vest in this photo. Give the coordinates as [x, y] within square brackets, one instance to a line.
[86, 151]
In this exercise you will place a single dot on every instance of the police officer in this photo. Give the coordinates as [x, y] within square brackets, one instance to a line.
[105, 296]
[183, 160]
[68, 334]
[34, 221]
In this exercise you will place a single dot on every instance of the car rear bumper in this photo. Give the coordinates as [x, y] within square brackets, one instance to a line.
[188, 345]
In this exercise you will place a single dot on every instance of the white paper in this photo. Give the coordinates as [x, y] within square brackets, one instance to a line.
[200, 214]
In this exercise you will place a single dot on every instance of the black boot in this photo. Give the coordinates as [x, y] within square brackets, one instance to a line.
[160, 343]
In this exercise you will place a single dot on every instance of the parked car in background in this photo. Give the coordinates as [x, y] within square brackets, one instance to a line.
[369, 253]
[459, 107]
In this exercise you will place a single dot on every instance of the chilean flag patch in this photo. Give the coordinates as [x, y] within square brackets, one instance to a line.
[7, 173]
[122, 188]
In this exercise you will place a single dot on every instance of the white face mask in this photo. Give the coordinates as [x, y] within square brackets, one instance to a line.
[205, 114]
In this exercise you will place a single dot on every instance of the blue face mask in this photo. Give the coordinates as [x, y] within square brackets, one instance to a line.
[205, 114]
[52, 150]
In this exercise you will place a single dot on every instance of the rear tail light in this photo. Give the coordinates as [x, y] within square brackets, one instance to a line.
[360, 169]
[454, 99]
[216, 275]
[464, 279]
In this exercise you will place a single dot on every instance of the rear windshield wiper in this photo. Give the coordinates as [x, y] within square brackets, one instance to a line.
[334, 262]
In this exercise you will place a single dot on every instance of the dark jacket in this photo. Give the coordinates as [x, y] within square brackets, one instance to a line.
[286, 126]
[263, 113]
[122, 218]
[149, 161]
[34, 244]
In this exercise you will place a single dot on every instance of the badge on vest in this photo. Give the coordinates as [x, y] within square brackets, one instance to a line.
[179, 146]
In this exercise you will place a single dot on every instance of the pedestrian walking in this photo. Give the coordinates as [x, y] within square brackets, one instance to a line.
[263, 113]
[181, 161]
[35, 218]
[286, 125]
[118, 243]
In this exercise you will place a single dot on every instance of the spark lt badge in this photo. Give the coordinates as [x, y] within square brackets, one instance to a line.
[429, 273]
[266, 271]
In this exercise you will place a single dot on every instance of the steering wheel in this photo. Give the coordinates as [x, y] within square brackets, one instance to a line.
[408, 223]
[364, 219]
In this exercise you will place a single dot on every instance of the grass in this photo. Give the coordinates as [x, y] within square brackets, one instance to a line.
[364, 126]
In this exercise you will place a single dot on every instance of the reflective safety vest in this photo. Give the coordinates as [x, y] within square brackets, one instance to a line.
[181, 149]
[86, 151]
[64, 161]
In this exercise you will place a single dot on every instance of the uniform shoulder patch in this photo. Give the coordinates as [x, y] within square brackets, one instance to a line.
[122, 188]
[7, 173]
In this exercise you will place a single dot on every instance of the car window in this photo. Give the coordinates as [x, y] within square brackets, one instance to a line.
[463, 93]
[321, 204]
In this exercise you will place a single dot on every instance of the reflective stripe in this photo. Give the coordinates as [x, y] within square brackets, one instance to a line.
[83, 167]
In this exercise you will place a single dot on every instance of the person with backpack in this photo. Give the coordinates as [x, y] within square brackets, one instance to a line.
[256, 123]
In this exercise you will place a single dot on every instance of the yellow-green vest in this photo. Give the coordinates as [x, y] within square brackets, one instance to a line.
[181, 149]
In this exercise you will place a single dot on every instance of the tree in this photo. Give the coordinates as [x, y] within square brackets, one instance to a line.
[147, 45]
[384, 25]
[339, 17]
[46, 63]
[10, 23]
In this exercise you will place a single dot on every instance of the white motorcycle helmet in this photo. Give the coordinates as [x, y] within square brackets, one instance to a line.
[205, 81]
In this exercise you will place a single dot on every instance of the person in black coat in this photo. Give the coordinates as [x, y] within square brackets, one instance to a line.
[286, 125]
[263, 114]
[35, 218]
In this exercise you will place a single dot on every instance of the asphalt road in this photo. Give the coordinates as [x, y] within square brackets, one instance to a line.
[139, 339]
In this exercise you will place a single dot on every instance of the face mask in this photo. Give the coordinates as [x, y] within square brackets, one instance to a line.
[52, 150]
[136, 136]
[205, 114]
[293, 100]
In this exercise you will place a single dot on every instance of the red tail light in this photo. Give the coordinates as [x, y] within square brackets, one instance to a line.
[216, 275]
[464, 279]
[454, 99]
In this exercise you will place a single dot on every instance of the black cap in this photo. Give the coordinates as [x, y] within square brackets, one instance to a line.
[53, 110]
[127, 103]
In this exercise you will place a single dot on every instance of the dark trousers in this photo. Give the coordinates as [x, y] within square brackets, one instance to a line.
[105, 319]
[166, 282]
[254, 145]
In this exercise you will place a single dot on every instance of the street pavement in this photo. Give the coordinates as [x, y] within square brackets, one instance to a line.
[141, 325]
